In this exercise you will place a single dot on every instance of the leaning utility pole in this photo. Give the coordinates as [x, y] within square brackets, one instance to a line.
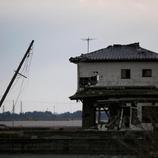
[16, 73]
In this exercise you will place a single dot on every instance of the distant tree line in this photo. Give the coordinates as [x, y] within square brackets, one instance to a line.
[38, 115]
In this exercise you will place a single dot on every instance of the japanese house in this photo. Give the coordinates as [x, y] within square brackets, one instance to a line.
[118, 87]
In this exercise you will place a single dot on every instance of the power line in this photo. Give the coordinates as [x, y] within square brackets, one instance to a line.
[25, 72]
[16, 73]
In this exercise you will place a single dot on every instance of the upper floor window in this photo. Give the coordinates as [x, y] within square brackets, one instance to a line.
[146, 73]
[125, 73]
[87, 81]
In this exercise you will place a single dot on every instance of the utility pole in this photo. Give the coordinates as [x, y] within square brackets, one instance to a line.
[13, 111]
[88, 42]
[3, 109]
[16, 73]
[54, 109]
[21, 108]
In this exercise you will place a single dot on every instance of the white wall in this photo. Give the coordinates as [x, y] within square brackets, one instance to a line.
[110, 73]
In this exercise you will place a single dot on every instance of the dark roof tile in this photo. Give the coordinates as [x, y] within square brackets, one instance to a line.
[117, 52]
[116, 92]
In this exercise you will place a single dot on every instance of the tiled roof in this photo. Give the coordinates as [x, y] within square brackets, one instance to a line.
[103, 92]
[130, 52]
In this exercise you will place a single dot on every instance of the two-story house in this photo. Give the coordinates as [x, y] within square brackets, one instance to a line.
[120, 81]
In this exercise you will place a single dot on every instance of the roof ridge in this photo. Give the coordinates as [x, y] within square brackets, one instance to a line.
[118, 52]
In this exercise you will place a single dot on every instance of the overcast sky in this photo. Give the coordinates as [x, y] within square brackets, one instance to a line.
[57, 26]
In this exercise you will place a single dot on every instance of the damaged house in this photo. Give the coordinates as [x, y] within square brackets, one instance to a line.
[120, 82]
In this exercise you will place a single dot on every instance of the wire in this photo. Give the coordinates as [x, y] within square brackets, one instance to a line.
[25, 72]
[25, 69]
[20, 91]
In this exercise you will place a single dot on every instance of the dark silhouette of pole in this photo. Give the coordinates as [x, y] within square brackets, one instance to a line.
[16, 73]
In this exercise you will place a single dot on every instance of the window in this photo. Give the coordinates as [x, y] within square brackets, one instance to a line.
[87, 81]
[150, 114]
[146, 73]
[125, 74]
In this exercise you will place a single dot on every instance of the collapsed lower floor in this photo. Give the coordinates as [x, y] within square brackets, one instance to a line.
[119, 108]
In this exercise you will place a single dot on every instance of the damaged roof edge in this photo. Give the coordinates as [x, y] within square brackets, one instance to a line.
[117, 52]
[147, 92]
[76, 61]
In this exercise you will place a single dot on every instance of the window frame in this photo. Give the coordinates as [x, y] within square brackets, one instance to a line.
[147, 75]
[125, 73]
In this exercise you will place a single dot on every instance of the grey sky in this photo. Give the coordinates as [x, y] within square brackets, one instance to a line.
[57, 27]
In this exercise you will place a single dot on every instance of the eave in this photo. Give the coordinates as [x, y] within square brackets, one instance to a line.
[105, 93]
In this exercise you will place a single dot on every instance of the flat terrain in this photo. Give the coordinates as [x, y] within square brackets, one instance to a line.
[72, 123]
